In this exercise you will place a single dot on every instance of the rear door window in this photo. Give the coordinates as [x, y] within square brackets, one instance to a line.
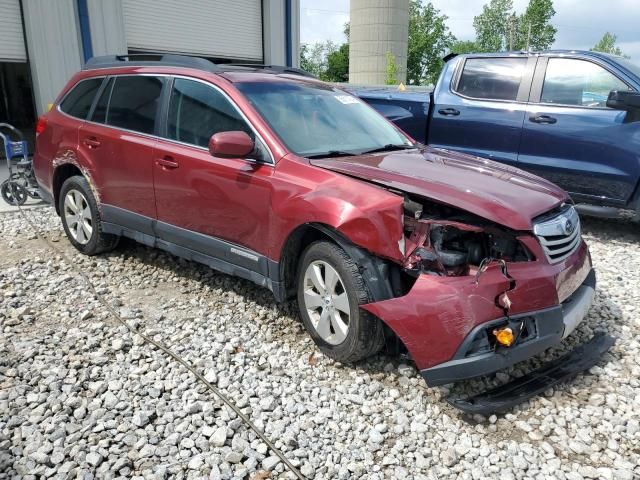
[133, 103]
[492, 78]
[569, 81]
[78, 101]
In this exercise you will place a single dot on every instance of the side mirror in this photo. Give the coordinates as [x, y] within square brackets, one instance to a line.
[235, 144]
[623, 100]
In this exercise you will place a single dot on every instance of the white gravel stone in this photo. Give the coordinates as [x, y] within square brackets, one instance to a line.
[219, 437]
[81, 397]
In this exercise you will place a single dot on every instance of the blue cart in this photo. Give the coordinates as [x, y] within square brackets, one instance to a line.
[21, 183]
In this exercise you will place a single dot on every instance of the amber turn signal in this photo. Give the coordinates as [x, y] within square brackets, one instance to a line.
[504, 336]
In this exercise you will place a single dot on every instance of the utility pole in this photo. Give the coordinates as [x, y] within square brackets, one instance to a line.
[511, 33]
[528, 36]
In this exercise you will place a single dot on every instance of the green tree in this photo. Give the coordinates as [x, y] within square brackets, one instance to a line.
[337, 65]
[534, 29]
[607, 44]
[464, 46]
[429, 40]
[314, 57]
[392, 70]
[493, 25]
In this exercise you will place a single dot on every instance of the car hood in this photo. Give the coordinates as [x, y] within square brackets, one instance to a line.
[497, 192]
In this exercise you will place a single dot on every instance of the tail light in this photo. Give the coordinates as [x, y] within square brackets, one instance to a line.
[41, 125]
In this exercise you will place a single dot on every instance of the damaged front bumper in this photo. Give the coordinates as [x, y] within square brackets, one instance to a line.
[448, 324]
[545, 328]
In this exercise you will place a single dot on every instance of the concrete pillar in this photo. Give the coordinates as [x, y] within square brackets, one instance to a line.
[377, 27]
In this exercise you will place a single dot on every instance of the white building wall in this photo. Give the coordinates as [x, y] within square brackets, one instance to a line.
[275, 37]
[53, 42]
[55, 48]
[11, 35]
[107, 27]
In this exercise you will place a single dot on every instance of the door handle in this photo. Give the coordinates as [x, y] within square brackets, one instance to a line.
[91, 142]
[542, 119]
[449, 112]
[167, 163]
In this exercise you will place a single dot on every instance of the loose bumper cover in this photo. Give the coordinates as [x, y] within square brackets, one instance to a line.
[548, 327]
[551, 326]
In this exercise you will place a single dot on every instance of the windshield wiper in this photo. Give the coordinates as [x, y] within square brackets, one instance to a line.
[389, 148]
[331, 153]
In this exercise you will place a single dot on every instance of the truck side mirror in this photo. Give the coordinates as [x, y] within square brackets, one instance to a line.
[623, 100]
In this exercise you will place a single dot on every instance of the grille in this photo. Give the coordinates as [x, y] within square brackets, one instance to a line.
[559, 235]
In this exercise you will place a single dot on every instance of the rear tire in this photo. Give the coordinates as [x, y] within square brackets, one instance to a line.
[81, 218]
[330, 292]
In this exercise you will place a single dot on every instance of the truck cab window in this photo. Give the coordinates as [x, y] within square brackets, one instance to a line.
[492, 78]
[569, 81]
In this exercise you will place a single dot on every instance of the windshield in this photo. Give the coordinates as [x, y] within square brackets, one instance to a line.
[313, 120]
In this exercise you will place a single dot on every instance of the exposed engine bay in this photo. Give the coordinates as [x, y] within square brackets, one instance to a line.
[446, 241]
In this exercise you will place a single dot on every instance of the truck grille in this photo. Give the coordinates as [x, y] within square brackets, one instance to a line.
[559, 235]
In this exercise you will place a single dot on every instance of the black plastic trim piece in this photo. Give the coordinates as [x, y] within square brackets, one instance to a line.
[45, 195]
[550, 327]
[216, 253]
[128, 219]
[506, 396]
[142, 60]
[374, 270]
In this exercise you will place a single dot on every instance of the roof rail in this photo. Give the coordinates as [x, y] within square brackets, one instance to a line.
[272, 68]
[151, 59]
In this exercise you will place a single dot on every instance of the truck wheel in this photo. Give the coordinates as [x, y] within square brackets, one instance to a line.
[330, 290]
[81, 218]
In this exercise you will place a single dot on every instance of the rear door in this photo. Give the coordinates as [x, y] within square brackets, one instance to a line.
[480, 106]
[118, 140]
[573, 139]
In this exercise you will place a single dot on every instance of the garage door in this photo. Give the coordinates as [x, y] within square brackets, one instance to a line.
[11, 37]
[212, 28]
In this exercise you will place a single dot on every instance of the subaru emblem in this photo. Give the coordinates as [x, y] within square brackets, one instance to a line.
[568, 227]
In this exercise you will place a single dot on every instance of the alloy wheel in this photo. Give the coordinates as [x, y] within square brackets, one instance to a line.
[326, 301]
[77, 214]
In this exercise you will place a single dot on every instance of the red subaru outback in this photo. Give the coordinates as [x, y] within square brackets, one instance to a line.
[268, 174]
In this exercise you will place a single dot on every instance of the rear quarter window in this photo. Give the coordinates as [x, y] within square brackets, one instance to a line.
[133, 103]
[491, 78]
[78, 101]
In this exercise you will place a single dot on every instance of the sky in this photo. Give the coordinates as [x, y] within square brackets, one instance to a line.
[580, 23]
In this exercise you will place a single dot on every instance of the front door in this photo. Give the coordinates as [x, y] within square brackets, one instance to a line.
[573, 139]
[215, 206]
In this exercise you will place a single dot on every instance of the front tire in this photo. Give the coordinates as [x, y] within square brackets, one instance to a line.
[81, 218]
[330, 292]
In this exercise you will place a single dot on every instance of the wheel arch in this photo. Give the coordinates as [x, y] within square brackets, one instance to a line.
[381, 277]
[375, 270]
[61, 173]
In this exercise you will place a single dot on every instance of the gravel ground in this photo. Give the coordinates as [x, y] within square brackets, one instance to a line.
[82, 397]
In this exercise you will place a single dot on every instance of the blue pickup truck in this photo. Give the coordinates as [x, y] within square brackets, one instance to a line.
[572, 117]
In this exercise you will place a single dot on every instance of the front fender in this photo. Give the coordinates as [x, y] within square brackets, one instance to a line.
[368, 216]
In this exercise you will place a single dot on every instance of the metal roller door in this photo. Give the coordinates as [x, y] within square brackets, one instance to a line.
[11, 38]
[212, 28]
